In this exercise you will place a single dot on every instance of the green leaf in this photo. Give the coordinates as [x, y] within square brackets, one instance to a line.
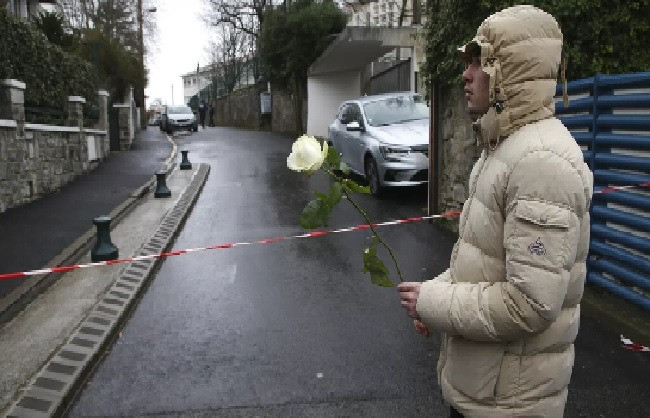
[336, 191]
[315, 214]
[352, 187]
[322, 196]
[344, 168]
[378, 271]
[333, 157]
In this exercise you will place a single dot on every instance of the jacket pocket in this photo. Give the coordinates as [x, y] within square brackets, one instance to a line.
[539, 234]
[473, 367]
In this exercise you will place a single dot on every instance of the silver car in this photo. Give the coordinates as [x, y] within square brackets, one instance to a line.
[384, 138]
[177, 118]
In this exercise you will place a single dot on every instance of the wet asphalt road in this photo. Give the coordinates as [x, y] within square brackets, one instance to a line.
[295, 328]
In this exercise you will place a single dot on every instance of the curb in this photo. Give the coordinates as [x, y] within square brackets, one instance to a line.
[616, 315]
[53, 388]
[23, 295]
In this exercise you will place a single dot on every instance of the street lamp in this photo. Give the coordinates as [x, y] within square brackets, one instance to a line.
[143, 109]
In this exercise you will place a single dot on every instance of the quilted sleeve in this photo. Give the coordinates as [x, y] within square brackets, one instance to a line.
[541, 235]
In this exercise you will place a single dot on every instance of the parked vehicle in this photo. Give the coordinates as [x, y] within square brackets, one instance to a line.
[384, 138]
[154, 120]
[178, 118]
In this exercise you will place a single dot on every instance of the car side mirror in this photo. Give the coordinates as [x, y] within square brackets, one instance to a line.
[353, 126]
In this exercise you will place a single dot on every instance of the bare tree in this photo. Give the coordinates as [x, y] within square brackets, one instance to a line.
[242, 15]
[230, 53]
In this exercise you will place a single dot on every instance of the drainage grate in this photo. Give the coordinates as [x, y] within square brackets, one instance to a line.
[45, 396]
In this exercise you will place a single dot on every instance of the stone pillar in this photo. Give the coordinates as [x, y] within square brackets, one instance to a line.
[76, 111]
[12, 103]
[79, 146]
[125, 122]
[102, 102]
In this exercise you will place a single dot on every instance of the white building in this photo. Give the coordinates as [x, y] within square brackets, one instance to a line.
[193, 82]
[26, 8]
[380, 13]
[384, 13]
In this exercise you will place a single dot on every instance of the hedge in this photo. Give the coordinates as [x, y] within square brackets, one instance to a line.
[50, 73]
[600, 36]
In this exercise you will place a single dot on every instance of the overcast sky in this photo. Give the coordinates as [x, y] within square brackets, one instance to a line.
[180, 43]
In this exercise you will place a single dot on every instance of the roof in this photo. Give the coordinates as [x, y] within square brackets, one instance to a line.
[357, 46]
[202, 70]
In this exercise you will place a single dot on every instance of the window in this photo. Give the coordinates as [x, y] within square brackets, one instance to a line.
[397, 109]
[343, 114]
[350, 113]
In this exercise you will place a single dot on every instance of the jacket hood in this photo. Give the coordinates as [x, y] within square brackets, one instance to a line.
[521, 49]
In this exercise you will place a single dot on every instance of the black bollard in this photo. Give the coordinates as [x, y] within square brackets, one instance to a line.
[161, 187]
[104, 249]
[185, 164]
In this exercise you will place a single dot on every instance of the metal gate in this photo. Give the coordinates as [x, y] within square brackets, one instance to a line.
[609, 116]
[114, 128]
[395, 78]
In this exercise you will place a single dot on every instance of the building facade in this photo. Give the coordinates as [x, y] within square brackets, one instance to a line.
[26, 8]
[194, 81]
[382, 13]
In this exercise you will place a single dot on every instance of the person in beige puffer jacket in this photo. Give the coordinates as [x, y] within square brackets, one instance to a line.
[508, 306]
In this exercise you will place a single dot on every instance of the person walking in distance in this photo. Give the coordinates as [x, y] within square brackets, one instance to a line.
[202, 110]
[212, 121]
[508, 307]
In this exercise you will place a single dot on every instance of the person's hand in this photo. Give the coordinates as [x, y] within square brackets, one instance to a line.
[408, 294]
[421, 328]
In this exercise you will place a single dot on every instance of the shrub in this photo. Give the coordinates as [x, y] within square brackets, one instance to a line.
[50, 73]
[599, 36]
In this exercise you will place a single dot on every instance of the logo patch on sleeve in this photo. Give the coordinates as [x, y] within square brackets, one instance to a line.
[537, 247]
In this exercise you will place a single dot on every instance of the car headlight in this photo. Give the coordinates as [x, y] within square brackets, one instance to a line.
[394, 153]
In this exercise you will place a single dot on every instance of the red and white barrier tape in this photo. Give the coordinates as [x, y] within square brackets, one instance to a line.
[632, 346]
[63, 269]
[615, 188]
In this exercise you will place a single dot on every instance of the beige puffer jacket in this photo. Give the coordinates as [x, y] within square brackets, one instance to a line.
[508, 306]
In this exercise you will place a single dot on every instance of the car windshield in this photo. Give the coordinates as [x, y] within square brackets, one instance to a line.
[397, 109]
[179, 110]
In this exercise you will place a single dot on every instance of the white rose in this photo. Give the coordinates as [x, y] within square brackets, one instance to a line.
[307, 154]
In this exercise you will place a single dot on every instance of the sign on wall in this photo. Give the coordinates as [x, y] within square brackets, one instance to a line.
[265, 103]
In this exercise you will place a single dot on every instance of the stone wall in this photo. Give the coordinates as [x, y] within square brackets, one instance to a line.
[458, 149]
[241, 108]
[39, 159]
[283, 113]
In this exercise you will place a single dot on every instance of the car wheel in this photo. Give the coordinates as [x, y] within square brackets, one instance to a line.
[372, 175]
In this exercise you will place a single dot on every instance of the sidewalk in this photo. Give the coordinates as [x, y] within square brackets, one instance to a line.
[48, 230]
[55, 341]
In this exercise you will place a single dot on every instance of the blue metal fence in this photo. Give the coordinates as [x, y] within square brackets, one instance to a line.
[609, 116]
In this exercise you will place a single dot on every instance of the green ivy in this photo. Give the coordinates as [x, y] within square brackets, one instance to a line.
[51, 75]
[599, 36]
